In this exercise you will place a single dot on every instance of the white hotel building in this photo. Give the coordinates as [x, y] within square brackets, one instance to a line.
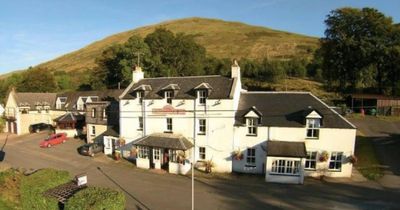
[284, 135]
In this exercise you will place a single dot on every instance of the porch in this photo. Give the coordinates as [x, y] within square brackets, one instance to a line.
[168, 152]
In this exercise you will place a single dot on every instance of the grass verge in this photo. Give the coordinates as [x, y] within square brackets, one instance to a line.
[368, 163]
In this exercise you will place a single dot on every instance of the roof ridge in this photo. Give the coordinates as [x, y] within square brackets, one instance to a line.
[274, 92]
[183, 77]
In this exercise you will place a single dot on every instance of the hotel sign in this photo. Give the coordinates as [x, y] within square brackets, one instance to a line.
[168, 109]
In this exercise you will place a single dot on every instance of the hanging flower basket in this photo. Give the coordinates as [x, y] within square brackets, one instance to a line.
[323, 157]
[352, 159]
[237, 155]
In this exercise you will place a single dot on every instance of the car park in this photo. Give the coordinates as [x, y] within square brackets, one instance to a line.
[54, 139]
[91, 149]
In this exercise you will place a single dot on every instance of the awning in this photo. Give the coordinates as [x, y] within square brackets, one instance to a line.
[286, 149]
[165, 140]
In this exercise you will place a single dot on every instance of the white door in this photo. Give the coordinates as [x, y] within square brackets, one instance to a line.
[108, 145]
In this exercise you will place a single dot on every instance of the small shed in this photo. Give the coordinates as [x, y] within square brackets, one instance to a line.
[381, 104]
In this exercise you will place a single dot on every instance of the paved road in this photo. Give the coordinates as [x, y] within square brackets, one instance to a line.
[148, 190]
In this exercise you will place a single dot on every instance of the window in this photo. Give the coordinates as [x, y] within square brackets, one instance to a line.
[202, 153]
[289, 167]
[311, 160]
[202, 126]
[93, 112]
[169, 124]
[143, 152]
[140, 123]
[139, 96]
[252, 126]
[251, 156]
[335, 162]
[93, 131]
[202, 95]
[313, 126]
[156, 154]
[104, 114]
[173, 156]
[61, 101]
[168, 96]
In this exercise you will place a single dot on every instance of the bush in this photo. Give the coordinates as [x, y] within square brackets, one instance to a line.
[2, 124]
[34, 185]
[9, 189]
[96, 198]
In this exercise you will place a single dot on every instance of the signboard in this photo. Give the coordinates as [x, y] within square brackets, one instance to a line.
[81, 179]
[168, 109]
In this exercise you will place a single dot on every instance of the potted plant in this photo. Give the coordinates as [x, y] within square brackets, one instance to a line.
[237, 155]
[117, 155]
[323, 156]
[208, 164]
[181, 157]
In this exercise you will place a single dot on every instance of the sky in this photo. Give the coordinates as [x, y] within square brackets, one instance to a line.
[32, 32]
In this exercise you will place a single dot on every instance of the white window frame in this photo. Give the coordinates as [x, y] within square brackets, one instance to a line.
[336, 161]
[169, 125]
[313, 126]
[168, 95]
[156, 153]
[104, 114]
[93, 113]
[251, 156]
[311, 161]
[202, 153]
[140, 123]
[92, 130]
[286, 167]
[202, 126]
[143, 152]
[251, 123]
[202, 96]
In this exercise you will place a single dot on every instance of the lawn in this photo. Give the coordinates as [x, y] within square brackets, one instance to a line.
[368, 163]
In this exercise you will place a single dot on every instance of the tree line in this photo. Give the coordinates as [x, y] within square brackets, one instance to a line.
[359, 53]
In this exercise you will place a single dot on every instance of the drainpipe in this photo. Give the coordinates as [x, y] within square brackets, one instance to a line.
[194, 149]
[144, 118]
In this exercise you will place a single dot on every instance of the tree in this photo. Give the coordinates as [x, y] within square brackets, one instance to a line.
[117, 62]
[355, 48]
[37, 80]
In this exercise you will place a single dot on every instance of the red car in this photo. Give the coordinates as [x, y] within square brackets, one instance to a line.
[54, 140]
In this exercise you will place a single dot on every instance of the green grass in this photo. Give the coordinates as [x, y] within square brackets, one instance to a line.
[222, 39]
[368, 163]
[10, 181]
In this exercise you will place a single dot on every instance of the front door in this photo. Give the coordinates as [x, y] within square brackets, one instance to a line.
[108, 146]
[165, 160]
[151, 157]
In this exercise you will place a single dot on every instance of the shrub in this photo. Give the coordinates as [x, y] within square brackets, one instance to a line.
[9, 189]
[96, 198]
[34, 185]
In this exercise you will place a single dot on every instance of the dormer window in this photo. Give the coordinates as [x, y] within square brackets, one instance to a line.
[202, 96]
[139, 96]
[104, 114]
[313, 125]
[251, 124]
[168, 94]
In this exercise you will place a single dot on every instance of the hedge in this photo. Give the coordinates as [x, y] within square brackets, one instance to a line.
[93, 198]
[34, 185]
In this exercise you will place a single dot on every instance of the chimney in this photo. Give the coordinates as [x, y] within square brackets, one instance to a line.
[235, 70]
[137, 74]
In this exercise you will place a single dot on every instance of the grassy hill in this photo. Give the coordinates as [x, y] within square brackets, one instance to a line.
[222, 39]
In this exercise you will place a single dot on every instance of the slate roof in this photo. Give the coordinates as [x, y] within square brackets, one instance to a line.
[165, 140]
[103, 95]
[286, 149]
[112, 131]
[69, 117]
[287, 109]
[221, 87]
[31, 99]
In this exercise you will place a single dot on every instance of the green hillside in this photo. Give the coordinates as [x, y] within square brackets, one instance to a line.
[222, 39]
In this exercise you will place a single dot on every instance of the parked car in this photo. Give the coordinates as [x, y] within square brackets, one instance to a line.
[54, 139]
[91, 149]
[36, 128]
